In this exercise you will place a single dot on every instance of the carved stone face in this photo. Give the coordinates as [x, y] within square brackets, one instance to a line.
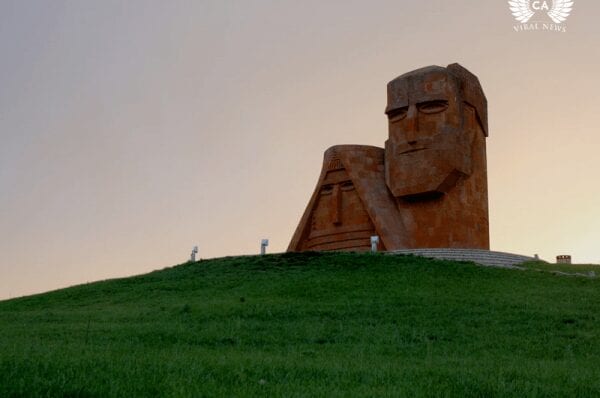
[339, 219]
[429, 145]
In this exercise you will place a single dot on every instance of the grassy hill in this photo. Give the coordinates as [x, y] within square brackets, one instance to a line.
[308, 325]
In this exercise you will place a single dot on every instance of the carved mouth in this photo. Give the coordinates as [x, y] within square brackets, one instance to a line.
[412, 150]
[330, 234]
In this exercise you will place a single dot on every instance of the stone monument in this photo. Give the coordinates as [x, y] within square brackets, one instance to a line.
[426, 189]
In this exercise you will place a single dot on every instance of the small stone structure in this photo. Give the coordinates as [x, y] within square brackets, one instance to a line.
[563, 259]
[426, 189]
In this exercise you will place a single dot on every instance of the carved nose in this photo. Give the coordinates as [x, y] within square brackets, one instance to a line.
[336, 205]
[412, 125]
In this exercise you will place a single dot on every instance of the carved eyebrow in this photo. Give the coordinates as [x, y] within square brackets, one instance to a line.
[347, 185]
[327, 189]
[434, 106]
[398, 113]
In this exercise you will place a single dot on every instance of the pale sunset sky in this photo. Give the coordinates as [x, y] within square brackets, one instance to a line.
[134, 130]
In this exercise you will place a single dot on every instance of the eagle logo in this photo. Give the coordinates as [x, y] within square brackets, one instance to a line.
[523, 10]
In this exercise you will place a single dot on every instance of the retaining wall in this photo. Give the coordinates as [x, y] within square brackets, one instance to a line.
[483, 257]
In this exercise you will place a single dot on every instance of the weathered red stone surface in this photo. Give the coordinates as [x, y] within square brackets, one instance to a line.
[436, 157]
[427, 189]
[350, 199]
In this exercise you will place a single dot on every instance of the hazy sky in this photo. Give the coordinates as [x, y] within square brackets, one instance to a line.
[133, 130]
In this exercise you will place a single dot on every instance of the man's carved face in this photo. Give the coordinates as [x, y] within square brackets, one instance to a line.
[430, 135]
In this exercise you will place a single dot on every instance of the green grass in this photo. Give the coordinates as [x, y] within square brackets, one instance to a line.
[294, 325]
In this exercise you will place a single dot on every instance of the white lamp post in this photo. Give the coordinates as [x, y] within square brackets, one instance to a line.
[194, 252]
[374, 243]
[263, 246]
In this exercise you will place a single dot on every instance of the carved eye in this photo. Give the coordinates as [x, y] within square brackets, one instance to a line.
[433, 106]
[397, 114]
[347, 186]
[327, 189]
